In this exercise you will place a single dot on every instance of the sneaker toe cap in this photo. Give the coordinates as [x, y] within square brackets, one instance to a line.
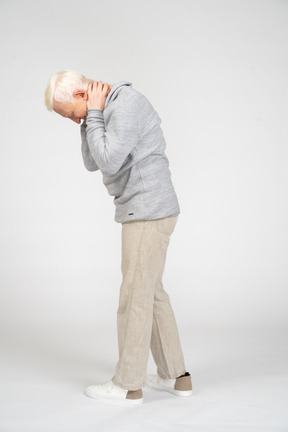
[91, 389]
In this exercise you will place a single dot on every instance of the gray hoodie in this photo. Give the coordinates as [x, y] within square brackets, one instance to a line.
[126, 143]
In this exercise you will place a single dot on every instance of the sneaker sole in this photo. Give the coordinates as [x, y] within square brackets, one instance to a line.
[129, 402]
[171, 390]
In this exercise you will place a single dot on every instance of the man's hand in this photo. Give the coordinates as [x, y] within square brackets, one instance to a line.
[97, 94]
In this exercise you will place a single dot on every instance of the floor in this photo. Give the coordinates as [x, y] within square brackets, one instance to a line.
[240, 383]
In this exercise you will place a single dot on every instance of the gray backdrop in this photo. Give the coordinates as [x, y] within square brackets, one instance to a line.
[216, 72]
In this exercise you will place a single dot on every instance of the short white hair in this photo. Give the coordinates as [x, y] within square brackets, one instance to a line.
[62, 85]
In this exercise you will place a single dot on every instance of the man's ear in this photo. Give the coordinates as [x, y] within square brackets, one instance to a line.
[80, 94]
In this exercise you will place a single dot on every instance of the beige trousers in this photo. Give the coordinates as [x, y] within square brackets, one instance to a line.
[145, 318]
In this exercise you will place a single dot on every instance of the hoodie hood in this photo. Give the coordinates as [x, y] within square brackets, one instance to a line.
[115, 90]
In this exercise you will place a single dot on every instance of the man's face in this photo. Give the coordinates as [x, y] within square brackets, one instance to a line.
[76, 110]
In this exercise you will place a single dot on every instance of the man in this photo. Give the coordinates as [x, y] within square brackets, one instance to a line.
[121, 137]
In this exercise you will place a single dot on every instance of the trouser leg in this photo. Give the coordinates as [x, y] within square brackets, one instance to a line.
[144, 249]
[165, 342]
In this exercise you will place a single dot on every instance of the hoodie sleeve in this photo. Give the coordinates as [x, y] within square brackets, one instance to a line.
[88, 160]
[109, 147]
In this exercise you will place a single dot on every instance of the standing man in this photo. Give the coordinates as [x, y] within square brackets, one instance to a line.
[122, 138]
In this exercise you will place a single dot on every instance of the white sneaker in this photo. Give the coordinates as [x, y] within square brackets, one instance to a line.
[178, 386]
[111, 393]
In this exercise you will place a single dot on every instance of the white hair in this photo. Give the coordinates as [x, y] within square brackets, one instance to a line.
[62, 85]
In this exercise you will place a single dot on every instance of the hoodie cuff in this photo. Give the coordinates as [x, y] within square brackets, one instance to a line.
[95, 124]
[95, 113]
[95, 116]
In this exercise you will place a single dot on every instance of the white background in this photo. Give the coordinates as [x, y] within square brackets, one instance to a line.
[216, 73]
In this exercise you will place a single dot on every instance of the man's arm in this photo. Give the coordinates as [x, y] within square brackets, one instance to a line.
[88, 160]
[110, 147]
